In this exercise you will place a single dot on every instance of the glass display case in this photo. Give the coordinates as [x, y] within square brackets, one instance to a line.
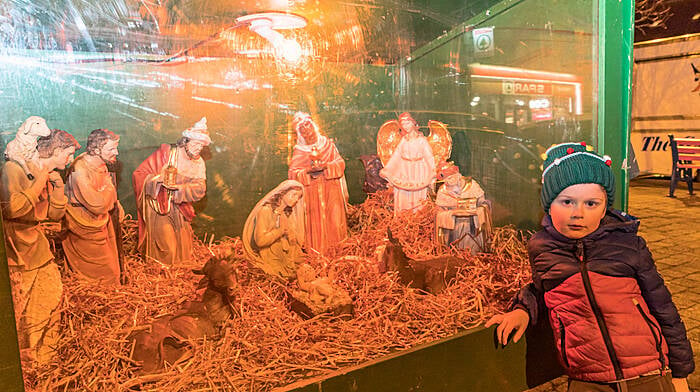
[507, 78]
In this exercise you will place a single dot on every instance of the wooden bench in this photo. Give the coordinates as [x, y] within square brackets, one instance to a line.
[685, 153]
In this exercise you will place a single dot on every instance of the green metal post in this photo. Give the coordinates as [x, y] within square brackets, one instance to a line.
[10, 369]
[615, 42]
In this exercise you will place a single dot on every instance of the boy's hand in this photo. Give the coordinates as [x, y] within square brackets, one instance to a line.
[680, 384]
[516, 320]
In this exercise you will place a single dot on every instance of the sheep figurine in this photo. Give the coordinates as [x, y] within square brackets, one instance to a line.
[22, 148]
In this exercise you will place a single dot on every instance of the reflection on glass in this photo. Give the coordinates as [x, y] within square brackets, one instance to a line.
[148, 69]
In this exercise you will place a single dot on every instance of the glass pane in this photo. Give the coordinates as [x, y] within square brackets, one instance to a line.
[508, 87]
[148, 70]
[508, 78]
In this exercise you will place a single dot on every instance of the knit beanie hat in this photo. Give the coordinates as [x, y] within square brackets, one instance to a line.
[569, 164]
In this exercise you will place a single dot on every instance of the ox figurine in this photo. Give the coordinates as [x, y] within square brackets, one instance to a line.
[170, 338]
[430, 275]
[22, 148]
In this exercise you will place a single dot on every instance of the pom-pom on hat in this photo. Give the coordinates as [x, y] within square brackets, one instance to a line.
[569, 164]
[198, 131]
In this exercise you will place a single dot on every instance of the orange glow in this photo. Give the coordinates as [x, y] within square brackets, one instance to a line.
[290, 50]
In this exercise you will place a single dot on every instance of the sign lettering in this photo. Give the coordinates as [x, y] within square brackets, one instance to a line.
[511, 87]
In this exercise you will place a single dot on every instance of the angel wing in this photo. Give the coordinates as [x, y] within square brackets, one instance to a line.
[440, 141]
[388, 139]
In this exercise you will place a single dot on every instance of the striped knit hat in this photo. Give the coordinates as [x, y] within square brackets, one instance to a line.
[569, 164]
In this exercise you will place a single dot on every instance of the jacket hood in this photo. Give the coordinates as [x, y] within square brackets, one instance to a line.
[613, 220]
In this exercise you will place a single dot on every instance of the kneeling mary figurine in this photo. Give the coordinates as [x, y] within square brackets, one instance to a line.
[273, 234]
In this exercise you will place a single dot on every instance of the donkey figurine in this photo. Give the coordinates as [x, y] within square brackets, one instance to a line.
[431, 275]
[170, 338]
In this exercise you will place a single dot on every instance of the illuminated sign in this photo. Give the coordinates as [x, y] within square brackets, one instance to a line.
[511, 87]
[539, 103]
[483, 42]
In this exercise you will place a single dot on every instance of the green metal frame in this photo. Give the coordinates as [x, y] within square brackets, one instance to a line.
[457, 32]
[615, 43]
[10, 369]
[466, 361]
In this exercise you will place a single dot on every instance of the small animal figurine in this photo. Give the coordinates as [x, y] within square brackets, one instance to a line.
[22, 148]
[430, 275]
[373, 181]
[169, 338]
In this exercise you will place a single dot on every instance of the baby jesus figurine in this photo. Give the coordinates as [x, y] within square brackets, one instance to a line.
[317, 295]
[320, 290]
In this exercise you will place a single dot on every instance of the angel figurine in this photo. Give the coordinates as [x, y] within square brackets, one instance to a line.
[410, 158]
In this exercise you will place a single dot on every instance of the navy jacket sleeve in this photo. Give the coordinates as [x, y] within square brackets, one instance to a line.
[530, 298]
[661, 306]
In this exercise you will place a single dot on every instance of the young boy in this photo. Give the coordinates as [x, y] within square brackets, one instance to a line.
[615, 325]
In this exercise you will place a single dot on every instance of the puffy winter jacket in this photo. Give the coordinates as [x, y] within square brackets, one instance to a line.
[611, 314]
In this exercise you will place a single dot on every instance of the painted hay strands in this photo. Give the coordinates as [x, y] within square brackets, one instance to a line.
[266, 345]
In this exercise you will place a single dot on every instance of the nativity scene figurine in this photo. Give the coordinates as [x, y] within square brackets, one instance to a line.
[410, 159]
[27, 203]
[318, 166]
[273, 234]
[90, 243]
[23, 148]
[166, 184]
[314, 295]
[464, 219]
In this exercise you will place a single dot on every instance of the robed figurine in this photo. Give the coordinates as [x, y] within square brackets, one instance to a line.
[318, 166]
[90, 243]
[166, 184]
[410, 158]
[465, 217]
[273, 234]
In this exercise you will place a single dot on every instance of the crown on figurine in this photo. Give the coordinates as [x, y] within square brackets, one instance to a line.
[447, 169]
[198, 131]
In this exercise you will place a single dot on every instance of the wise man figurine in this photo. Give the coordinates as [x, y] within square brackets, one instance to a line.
[166, 184]
[465, 217]
[318, 166]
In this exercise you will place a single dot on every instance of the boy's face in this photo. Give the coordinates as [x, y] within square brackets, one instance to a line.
[578, 209]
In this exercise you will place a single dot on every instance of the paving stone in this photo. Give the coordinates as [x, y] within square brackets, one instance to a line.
[692, 312]
[684, 301]
[683, 270]
[676, 260]
[670, 274]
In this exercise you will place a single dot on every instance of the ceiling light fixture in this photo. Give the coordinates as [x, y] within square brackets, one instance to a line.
[266, 25]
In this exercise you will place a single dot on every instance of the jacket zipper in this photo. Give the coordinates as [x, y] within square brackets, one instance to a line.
[562, 337]
[652, 328]
[580, 254]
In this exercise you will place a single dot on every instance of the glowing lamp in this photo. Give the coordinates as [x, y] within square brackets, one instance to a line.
[266, 24]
